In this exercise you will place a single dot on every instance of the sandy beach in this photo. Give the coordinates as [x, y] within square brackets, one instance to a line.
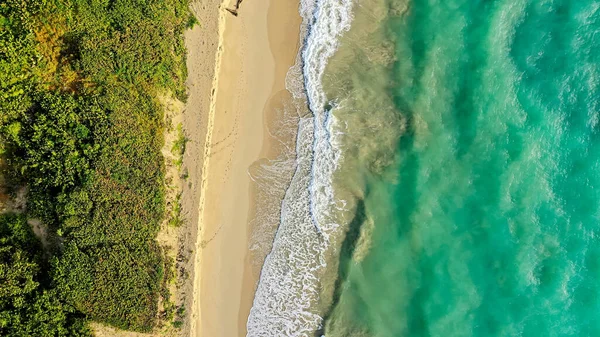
[253, 52]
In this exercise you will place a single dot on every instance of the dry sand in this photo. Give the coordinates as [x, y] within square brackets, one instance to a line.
[253, 54]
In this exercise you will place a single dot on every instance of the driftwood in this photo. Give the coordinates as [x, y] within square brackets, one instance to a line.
[234, 11]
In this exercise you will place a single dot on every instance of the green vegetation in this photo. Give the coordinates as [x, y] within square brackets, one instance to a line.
[29, 306]
[81, 125]
[179, 146]
[175, 219]
[192, 21]
[178, 324]
[168, 311]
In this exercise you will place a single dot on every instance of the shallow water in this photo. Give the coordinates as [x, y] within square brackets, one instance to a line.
[470, 142]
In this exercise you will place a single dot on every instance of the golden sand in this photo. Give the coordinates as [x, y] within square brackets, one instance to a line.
[254, 52]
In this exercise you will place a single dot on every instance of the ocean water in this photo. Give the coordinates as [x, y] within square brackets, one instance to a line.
[447, 180]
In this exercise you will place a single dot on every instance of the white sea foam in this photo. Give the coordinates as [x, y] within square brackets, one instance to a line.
[288, 289]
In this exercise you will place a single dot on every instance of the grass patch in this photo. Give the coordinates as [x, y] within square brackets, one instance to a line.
[178, 149]
[175, 219]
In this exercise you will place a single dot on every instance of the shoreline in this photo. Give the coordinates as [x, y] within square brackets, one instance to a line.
[283, 24]
[249, 70]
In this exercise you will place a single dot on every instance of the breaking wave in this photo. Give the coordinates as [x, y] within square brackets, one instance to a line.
[285, 303]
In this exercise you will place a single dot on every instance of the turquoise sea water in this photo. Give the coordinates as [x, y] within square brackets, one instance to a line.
[473, 147]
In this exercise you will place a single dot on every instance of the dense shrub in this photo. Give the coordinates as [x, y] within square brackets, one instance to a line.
[28, 305]
[82, 127]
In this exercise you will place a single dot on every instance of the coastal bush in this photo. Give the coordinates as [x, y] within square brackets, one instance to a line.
[28, 305]
[81, 126]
